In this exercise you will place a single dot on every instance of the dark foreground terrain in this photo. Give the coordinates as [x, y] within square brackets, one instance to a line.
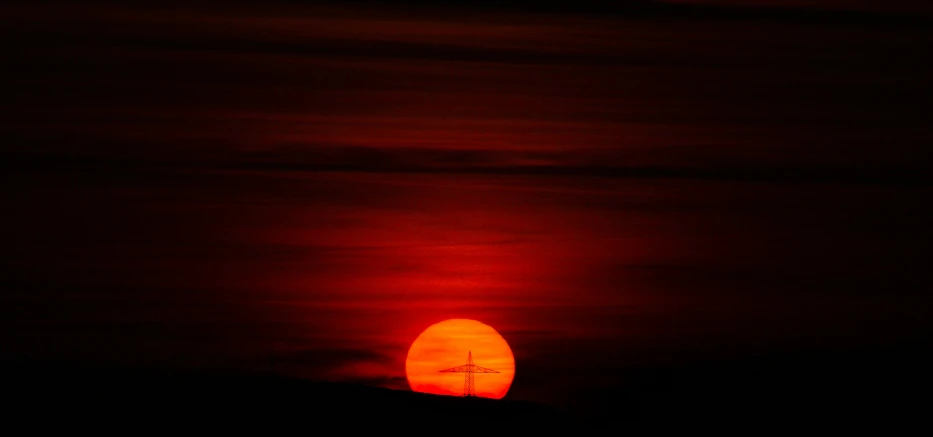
[52, 395]
[889, 389]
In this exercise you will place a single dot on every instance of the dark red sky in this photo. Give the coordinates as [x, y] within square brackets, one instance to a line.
[218, 187]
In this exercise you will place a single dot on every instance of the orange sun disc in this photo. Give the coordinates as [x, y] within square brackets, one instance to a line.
[445, 345]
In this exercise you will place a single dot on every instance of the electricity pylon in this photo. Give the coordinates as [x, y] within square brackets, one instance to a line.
[469, 369]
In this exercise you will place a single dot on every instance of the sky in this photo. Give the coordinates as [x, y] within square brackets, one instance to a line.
[305, 187]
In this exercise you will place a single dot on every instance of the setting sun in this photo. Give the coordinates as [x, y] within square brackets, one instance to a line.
[446, 345]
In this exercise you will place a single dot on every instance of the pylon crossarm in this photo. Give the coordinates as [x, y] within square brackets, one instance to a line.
[458, 369]
[478, 369]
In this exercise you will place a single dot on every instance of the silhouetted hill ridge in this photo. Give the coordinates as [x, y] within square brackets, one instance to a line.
[200, 397]
[837, 388]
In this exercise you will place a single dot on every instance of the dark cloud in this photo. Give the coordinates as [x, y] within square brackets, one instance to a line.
[356, 159]
[558, 97]
[328, 359]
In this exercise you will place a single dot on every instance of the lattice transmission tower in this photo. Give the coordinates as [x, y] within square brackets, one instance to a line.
[468, 369]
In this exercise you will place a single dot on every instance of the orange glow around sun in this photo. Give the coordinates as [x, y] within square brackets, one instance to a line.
[445, 345]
